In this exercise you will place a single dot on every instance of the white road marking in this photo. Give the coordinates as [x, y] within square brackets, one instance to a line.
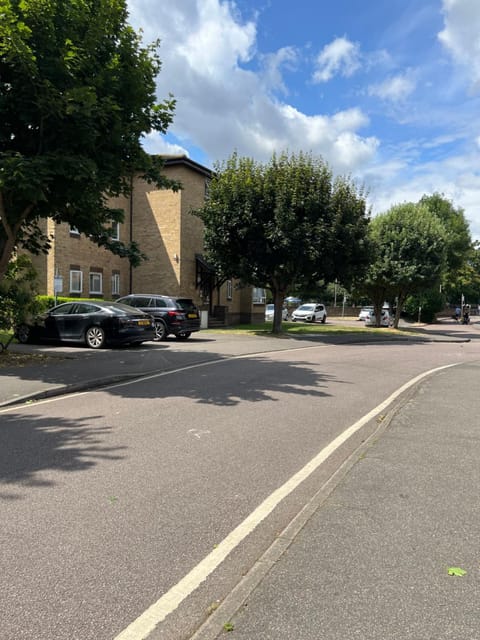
[141, 628]
[198, 433]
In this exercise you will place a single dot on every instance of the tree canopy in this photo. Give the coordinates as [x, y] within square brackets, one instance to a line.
[77, 93]
[283, 223]
[458, 242]
[409, 249]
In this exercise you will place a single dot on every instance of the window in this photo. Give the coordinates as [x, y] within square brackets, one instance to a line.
[229, 290]
[96, 283]
[74, 231]
[63, 309]
[84, 307]
[258, 296]
[76, 281]
[115, 231]
[115, 284]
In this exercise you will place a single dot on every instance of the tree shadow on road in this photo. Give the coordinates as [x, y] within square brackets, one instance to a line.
[32, 446]
[230, 382]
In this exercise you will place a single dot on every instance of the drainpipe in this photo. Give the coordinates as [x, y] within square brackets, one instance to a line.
[130, 284]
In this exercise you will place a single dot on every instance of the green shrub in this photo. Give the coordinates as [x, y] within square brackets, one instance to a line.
[431, 302]
[47, 302]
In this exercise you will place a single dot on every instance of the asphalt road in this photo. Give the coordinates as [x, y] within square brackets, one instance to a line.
[110, 498]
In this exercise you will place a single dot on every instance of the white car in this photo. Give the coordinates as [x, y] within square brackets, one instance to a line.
[269, 311]
[310, 312]
[364, 313]
[385, 321]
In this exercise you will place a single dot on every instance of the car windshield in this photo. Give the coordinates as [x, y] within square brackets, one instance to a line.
[270, 307]
[306, 307]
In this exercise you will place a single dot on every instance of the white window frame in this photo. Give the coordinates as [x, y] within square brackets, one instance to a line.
[258, 295]
[74, 231]
[115, 284]
[93, 278]
[229, 290]
[74, 275]
[115, 231]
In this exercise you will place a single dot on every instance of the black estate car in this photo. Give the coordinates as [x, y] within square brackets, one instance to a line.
[171, 314]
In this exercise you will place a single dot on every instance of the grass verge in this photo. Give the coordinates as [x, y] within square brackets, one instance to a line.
[299, 329]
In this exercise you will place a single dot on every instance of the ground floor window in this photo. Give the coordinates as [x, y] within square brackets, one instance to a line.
[115, 284]
[76, 281]
[96, 287]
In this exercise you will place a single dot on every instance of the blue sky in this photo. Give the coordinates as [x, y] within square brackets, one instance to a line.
[386, 91]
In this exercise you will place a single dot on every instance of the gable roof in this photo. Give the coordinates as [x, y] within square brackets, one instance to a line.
[170, 161]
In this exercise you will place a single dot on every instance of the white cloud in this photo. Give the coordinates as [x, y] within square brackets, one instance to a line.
[401, 180]
[157, 144]
[223, 105]
[274, 63]
[461, 34]
[395, 88]
[339, 57]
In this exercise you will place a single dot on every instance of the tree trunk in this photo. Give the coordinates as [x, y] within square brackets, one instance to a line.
[400, 302]
[8, 235]
[278, 298]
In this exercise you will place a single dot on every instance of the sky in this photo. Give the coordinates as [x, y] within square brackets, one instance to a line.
[386, 91]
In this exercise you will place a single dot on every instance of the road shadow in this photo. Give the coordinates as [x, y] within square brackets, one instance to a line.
[31, 446]
[229, 382]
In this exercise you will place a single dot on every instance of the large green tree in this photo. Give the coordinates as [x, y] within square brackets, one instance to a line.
[77, 93]
[409, 249]
[458, 242]
[283, 223]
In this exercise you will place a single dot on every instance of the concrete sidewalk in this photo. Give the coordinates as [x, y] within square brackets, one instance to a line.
[372, 562]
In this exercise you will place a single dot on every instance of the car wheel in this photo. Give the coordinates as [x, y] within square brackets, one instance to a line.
[160, 331]
[183, 336]
[312, 319]
[95, 337]
[324, 319]
[23, 334]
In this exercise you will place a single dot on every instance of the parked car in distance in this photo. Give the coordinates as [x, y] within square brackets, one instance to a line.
[364, 313]
[269, 311]
[171, 315]
[386, 319]
[95, 324]
[310, 312]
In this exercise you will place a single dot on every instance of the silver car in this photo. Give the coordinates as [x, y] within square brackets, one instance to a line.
[269, 311]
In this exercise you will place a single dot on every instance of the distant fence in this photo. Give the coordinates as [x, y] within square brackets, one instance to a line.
[346, 311]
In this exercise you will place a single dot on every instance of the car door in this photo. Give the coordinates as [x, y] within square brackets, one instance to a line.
[77, 321]
[54, 322]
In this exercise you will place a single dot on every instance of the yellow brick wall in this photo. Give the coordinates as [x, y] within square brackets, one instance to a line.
[162, 224]
[156, 228]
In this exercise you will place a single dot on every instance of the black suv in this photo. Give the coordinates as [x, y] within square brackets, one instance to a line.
[171, 315]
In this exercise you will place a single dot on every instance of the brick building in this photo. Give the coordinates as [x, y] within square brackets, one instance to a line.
[161, 222]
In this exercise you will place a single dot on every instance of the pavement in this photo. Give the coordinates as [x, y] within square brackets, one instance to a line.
[389, 551]
[370, 557]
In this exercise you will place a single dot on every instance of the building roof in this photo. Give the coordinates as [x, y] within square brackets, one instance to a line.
[172, 160]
